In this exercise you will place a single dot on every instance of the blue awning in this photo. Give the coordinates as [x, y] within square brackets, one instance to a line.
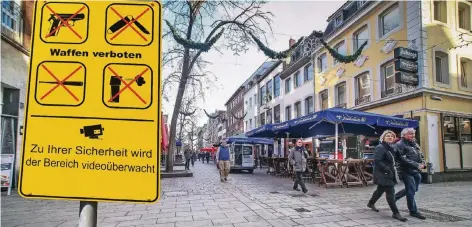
[263, 131]
[254, 140]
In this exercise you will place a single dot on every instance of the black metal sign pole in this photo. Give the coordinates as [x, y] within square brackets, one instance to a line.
[88, 214]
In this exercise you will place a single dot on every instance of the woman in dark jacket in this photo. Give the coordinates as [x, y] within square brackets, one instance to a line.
[385, 174]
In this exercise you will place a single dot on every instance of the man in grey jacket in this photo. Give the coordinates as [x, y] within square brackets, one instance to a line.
[298, 158]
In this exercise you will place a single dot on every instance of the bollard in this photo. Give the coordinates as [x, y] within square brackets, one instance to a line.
[88, 214]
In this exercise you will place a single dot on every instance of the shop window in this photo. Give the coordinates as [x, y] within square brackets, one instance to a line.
[466, 73]
[442, 67]
[449, 128]
[464, 16]
[324, 99]
[361, 36]
[465, 130]
[389, 20]
[440, 11]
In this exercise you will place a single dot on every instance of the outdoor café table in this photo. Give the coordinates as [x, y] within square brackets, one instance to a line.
[350, 171]
[366, 176]
[333, 177]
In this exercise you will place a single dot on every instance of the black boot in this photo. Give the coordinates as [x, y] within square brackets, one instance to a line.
[372, 206]
[399, 217]
[418, 215]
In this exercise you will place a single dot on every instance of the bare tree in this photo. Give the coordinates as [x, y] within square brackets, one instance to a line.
[236, 21]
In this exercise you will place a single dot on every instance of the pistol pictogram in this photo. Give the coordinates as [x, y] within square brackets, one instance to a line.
[54, 31]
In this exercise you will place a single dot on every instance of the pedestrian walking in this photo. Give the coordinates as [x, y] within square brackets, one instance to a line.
[385, 174]
[207, 156]
[194, 157]
[187, 156]
[298, 158]
[203, 157]
[222, 159]
[411, 162]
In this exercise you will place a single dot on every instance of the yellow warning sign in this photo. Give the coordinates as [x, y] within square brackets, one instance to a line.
[57, 87]
[64, 22]
[127, 86]
[129, 24]
[92, 115]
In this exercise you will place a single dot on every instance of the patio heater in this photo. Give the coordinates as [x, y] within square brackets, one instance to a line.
[178, 144]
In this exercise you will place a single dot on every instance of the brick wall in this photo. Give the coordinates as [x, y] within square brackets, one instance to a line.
[28, 7]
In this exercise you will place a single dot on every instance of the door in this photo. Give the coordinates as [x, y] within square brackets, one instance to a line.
[247, 156]
[238, 155]
[457, 143]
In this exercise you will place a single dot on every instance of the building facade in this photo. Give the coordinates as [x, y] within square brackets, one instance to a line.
[215, 128]
[15, 48]
[235, 112]
[442, 97]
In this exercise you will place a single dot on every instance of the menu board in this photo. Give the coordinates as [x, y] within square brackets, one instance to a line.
[7, 170]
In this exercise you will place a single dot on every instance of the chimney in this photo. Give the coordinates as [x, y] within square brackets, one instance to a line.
[291, 42]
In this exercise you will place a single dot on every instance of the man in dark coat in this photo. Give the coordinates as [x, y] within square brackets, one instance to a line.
[385, 174]
[411, 162]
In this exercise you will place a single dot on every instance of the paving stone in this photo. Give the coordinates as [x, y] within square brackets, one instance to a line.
[227, 221]
[202, 223]
[174, 219]
[137, 222]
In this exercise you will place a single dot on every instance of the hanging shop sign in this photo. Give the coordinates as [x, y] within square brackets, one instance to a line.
[406, 78]
[405, 53]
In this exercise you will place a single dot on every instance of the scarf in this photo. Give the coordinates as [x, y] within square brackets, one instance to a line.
[391, 151]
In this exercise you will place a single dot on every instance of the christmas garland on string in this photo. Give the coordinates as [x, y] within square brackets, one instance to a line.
[191, 44]
[190, 113]
[274, 54]
[239, 118]
[212, 117]
[343, 58]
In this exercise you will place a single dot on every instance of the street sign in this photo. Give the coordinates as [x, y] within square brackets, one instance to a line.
[92, 120]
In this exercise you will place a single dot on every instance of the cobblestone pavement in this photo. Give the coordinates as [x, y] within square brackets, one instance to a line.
[250, 200]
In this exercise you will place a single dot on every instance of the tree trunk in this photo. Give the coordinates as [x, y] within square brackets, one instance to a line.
[175, 113]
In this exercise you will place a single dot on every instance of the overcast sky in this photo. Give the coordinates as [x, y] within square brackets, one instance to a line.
[291, 19]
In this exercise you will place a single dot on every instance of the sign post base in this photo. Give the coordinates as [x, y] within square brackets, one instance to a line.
[88, 214]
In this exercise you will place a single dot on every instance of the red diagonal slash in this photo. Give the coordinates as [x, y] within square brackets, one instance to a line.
[65, 22]
[128, 24]
[60, 83]
[127, 86]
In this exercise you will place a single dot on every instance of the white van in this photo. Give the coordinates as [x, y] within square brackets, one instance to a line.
[242, 157]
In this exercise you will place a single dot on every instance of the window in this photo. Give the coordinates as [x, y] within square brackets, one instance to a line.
[338, 21]
[268, 94]
[262, 94]
[440, 11]
[298, 80]
[362, 88]
[250, 102]
[262, 118]
[340, 48]
[277, 114]
[388, 71]
[250, 123]
[466, 73]
[324, 99]
[340, 94]
[247, 126]
[308, 72]
[288, 83]
[256, 124]
[322, 63]
[298, 109]
[288, 113]
[442, 67]
[12, 17]
[389, 20]
[360, 3]
[360, 36]
[309, 106]
[277, 86]
[269, 116]
[450, 129]
[255, 99]
[464, 16]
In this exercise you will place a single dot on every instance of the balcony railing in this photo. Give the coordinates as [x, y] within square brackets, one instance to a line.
[12, 21]
[397, 89]
[362, 100]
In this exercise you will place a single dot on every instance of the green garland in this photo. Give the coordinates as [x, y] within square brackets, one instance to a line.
[274, 54]
[343, 58]
[191, 44]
